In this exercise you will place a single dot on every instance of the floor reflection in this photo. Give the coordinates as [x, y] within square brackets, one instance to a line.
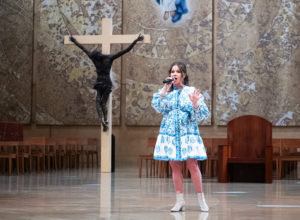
[181, 215]
[89, 194]
[105, 195]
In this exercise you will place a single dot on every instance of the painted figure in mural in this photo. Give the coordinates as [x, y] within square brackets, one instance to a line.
[179, 138]
[103, 85]
[173, 8]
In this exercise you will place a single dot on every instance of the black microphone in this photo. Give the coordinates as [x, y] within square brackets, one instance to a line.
[168, 80]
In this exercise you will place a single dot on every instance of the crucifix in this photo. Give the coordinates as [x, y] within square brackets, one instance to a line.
[106, 39]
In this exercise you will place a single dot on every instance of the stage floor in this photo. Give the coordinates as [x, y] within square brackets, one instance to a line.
[88, 194]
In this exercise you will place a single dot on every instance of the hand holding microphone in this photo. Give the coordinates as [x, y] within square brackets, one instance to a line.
[167, 85]
[169, 80]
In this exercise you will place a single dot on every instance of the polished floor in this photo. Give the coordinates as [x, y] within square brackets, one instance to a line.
[88, 194]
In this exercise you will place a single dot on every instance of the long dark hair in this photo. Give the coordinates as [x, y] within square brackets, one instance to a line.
[182, 68]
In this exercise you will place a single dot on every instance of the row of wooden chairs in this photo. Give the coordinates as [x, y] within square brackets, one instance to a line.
[40, 153]
[286, 154]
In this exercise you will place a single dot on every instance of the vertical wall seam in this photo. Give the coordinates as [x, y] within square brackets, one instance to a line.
[213, 87]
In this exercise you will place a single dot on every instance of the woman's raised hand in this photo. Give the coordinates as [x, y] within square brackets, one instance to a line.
[195, 97]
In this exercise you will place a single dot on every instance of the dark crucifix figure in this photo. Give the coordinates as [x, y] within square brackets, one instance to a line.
[103, 85]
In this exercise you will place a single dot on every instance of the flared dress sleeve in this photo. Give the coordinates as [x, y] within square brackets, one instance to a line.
[186, 105]
[161, 104]
[200, 113]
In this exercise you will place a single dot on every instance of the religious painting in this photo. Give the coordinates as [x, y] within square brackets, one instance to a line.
[173, 9]
[257, 60]
[65, 76]
[188, 40]
[16, 61]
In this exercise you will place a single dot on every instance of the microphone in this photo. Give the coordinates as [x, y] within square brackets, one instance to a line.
[168, 80]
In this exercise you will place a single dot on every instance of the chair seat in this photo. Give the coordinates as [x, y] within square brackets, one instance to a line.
[246, 160]
[290, 157]
[37, 154]
[5, 155]
[150, 156]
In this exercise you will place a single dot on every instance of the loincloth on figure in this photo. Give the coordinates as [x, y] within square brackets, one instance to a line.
[103, 87]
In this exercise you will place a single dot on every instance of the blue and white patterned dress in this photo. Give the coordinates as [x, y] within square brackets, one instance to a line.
[179, 138]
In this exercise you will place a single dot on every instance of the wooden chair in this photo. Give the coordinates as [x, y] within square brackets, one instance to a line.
[24, 157]
[9, 150]
[290, 154]
[12, 131]
[276, 143]
[71, 152]
[213, 157]
[248, 155]
[92, 150]
[209, 151]
[61, 152]
[50, 153]
[82, 151]
[37, 147]
[150, 144]
[163, 168]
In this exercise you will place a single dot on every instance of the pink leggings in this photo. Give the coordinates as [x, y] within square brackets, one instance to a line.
[193, 167]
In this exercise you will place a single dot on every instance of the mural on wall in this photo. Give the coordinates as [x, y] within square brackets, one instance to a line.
[257, 60]
[65, 75]
[16, 60]
[173, 9]
[188, 40]
[256, 55]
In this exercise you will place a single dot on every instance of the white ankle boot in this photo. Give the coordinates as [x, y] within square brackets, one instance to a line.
[202, 203]
[180, 203]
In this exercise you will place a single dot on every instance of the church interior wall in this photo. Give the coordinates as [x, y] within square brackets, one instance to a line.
[243, 55]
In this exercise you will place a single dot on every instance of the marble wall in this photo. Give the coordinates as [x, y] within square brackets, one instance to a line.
[257, 60]
[16, 36]
[242, 54]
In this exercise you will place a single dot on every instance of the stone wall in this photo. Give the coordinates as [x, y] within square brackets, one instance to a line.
[257, 60]
[16, 51]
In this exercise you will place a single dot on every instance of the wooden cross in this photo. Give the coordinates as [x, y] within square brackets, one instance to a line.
[106, 39]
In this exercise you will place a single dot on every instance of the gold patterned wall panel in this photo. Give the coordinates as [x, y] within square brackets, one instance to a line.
[16, 60]
[188, 40]
[257, 60]
[65, 76]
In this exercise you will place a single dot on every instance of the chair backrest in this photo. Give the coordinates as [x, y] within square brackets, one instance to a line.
[50, 145]
[71, 144]
[151, 141]
[92, 144]
[276, 144]
[248, 136]
[82, 143]
[215, 144]
[208, 146]
[35, 143]
[290, 147]
[9, 147]
[61, 144]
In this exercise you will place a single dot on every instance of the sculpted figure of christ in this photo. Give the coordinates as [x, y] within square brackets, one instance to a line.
[103, 85]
